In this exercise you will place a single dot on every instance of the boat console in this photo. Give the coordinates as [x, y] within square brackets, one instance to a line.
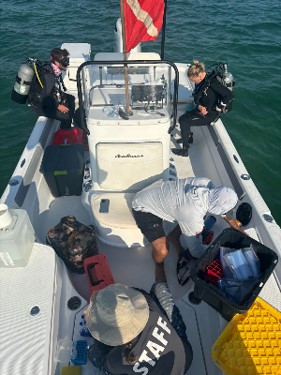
[128, 148]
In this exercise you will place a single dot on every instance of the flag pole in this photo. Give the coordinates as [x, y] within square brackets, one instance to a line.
[128, 111]
[164, 30]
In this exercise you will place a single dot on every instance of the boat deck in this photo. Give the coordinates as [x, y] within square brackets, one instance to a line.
[135, 267]
[211, 155]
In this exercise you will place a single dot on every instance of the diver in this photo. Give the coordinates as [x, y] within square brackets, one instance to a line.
[211, 98]
[47, 96]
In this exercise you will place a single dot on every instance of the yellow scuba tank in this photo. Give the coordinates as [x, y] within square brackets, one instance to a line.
[23, 81]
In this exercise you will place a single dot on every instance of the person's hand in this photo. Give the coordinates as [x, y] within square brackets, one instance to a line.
[203, 110]
[62, 108]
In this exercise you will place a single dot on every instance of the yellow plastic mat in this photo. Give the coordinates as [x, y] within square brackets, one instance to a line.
[251, 343]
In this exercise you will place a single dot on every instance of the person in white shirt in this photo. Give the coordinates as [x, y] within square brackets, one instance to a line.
[182, 201]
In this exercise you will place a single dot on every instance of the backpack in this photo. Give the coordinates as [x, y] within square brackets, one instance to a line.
[43, 76]
[73, 242]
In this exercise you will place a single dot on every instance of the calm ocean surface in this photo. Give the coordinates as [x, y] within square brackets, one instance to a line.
[246, 35]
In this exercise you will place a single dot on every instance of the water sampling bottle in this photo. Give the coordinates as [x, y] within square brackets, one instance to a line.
[16, 237]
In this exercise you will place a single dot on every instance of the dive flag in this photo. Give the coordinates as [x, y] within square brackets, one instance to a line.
[143, 21]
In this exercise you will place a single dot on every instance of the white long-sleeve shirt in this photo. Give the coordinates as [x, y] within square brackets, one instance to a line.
[186, 201]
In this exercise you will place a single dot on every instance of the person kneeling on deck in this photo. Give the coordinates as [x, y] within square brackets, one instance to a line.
[211, 98]
[184, 202]
[134, 334]
[47, 96]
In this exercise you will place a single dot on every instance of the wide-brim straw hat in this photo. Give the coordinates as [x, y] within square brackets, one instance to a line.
[117, 314]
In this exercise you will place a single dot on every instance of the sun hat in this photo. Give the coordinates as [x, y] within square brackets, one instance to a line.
[117, 314]
[221, 200]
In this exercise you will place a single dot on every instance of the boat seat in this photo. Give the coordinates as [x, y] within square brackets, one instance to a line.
[114, 220]
[114, 209]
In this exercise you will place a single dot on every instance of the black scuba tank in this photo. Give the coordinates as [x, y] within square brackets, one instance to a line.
[22, 84]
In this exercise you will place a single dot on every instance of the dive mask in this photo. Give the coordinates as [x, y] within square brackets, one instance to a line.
[64, 62]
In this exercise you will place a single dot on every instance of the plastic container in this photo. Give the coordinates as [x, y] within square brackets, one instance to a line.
[250, 343]
[253, 261]
[16, 237]
[214, 271]
[98, 272]
[79, 352]
[71, 370]
[71, 136]
[63, 351]
[63, 168]
[215, 297]
[237, 265]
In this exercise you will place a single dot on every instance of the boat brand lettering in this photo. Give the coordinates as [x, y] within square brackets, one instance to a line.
[154, 348]
[129, 156]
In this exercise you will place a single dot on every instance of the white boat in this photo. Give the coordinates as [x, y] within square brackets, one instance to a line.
[38, 321]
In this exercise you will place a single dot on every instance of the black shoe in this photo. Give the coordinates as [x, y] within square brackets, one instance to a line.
[190, 139]
[180, 152]
[183, 270]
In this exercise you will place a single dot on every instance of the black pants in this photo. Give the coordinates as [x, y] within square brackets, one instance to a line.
[49, 109]
[194, 118]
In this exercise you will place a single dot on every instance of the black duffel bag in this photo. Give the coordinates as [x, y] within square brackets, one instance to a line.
[73, 242]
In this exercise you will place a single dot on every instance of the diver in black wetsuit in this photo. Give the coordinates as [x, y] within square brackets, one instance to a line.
[47, 95]
[210, 98]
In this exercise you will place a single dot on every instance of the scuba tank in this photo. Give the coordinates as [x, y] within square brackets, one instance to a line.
[23, 81]
[228, 78]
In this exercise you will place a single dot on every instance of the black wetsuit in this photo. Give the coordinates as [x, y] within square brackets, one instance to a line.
[207, 93]
[45, 100]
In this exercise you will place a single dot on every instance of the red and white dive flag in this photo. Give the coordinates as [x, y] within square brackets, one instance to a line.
[143, 21]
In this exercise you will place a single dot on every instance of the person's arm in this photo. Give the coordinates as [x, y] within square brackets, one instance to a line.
[97, 354]
[194, 244]
[161, 294]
